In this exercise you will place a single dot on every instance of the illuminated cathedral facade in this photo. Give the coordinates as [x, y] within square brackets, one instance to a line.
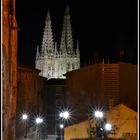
[56, 60]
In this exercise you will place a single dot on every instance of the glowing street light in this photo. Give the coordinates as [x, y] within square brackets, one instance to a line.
[24, 116]
[39, 120]
[98, 114]
[61, 126]
[61, 115]
[108, 127]
[64, 115]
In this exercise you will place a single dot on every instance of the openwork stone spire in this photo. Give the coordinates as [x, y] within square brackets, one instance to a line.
[47, 43]
[37, 58]
[66, 38]
[37, 53]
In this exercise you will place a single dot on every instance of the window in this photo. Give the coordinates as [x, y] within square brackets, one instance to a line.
[73, 66]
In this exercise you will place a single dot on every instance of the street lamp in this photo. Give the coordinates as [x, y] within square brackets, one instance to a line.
[61, 126]
[98, 114]
[38, 121]
[108, 127]
[102, 128]
[61, 131]
[61, 115]
[98, 129]
[24, 118]
[64, 115]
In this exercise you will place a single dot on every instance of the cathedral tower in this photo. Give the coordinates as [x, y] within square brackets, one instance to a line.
[54, 62]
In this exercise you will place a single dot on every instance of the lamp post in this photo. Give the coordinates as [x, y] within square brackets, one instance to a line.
[64, 115]
[25, 117]
[38, 121]
[61, 130]
[102, 127]
[99, 117]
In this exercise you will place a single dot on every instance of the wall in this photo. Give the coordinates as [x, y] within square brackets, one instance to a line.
[76, 131]
[99, 83]
[124, 118]
[85, 86]
[128, 84]
[29, 95]
[9, 68]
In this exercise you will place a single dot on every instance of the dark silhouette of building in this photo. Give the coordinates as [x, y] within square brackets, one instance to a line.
[53, 101]
[29, 96]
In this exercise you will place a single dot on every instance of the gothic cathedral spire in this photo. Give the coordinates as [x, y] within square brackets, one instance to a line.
[52, 62]
[47, 43]
[66, 38]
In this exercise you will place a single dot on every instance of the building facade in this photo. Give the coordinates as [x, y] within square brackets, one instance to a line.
[30, 89]
[9, 69]
[121, 117]
[103, 84]
[55, 60]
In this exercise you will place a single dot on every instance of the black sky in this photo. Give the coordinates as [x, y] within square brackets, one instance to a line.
[102, 27]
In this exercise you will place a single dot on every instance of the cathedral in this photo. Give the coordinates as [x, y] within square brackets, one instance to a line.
[55, 60]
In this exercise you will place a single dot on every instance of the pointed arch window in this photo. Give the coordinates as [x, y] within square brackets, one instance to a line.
[68, 66]
[73, 66]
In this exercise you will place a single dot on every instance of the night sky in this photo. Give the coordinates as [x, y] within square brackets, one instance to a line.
[102, 27]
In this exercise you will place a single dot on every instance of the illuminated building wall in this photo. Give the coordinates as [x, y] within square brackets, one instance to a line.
[9, 69]
[121, 116]
[103, 84]
[55, 60]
